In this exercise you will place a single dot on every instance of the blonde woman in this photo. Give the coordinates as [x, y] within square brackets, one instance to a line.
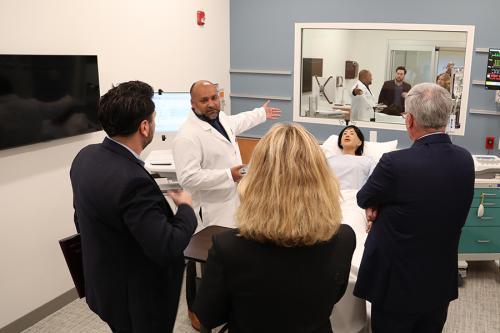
[289, 261]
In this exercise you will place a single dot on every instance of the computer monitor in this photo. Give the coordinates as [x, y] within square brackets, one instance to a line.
[172, 109]
[493, 70]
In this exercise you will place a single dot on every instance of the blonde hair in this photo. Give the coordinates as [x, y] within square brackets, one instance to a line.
[289, 197]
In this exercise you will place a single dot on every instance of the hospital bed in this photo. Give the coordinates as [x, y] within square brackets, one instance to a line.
[386, 118]
[352, 314]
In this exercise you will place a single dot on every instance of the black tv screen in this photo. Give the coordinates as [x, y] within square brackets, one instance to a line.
[47, 97]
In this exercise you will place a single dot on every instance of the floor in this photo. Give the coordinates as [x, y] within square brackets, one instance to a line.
[476, 311]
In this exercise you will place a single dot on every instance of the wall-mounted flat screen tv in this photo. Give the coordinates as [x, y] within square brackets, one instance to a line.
[47, 97]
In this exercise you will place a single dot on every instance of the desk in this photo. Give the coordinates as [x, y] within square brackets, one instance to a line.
[162, 163]
[197, 249]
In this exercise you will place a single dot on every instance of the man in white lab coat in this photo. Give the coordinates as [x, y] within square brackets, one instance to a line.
[207, 157]
[362, 98]
[208, 163]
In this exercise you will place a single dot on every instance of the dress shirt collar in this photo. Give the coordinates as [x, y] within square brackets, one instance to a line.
[128, 148]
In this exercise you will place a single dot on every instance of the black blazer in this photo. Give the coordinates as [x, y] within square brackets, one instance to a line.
[387, 97]
[132, 244]
[423, 195]
[262, 287]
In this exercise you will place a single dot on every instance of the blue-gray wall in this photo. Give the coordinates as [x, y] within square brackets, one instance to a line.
[262, 37]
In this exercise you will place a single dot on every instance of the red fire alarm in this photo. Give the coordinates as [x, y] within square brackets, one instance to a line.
[490, 142]
[200, 18]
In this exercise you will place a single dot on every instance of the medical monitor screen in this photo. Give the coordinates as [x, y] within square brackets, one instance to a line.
[172, 109]
[493, 70]
[47, 97]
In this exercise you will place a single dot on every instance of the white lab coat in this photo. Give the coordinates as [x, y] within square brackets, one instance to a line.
[203, 158]
[362, 105]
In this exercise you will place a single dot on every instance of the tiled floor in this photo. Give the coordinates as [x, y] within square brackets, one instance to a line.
[476, 311]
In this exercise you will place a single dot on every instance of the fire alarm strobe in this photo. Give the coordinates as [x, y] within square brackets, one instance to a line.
[200, 17]
[490, 142]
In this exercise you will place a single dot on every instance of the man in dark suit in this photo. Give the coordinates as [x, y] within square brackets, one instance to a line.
[132, 243]
[416, 202]
[393, 93]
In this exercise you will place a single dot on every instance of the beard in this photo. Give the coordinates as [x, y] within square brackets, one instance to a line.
[212, 114]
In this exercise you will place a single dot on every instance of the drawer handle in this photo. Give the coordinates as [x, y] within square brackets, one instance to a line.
[489, 204]
[489, 194]
[486, 218]
[483, 241]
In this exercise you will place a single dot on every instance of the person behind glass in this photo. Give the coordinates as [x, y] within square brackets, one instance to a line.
[132, 243]
[362, 98]
[393, 93]
[444, 80]
[288, 263]
[351, 168]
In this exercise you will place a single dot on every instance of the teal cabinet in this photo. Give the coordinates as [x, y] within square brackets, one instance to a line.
[480, 239]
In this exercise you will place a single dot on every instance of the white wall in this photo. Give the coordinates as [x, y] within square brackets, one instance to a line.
[333, 46]
[156, 41]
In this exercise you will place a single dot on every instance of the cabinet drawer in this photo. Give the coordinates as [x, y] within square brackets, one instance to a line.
[490, 192]
[489, 201]
[490, 218]
[491, 197]
[480, 240]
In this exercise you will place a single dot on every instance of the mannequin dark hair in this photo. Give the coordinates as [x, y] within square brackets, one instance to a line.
[359, 150]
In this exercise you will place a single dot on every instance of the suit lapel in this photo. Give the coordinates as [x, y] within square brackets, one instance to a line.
[116, 148]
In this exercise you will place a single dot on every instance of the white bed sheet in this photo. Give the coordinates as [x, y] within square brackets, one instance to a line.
[352, 314]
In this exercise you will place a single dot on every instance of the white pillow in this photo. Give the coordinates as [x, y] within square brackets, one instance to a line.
[377, 149]
[330, 146]
[373, 149]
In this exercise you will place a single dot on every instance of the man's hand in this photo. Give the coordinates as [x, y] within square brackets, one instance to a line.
[180, 197]
[236, 174]
[357, 91]
[271, 113]
[371, 215]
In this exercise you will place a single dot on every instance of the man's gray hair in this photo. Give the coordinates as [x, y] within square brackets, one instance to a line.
[430, 105]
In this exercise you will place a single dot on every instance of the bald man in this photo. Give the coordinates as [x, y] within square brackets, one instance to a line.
[208, 163]
[362, 98]
[207, 157]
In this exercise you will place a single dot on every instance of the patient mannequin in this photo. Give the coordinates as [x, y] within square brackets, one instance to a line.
[351, 168]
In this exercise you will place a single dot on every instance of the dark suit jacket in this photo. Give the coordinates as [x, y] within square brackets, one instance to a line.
[132, 244]
[262, 287]
[387, 97]
[423, 195]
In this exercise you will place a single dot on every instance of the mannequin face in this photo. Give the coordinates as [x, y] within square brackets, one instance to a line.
[350, 139]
